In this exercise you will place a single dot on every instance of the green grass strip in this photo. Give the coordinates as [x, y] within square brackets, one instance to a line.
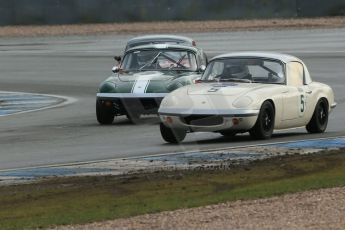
[62, 201]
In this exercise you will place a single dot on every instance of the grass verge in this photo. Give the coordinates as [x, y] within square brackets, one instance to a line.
[62, 201]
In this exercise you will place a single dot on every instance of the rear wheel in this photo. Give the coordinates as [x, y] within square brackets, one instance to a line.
[264, 125]
[319, 120]
[105, 115]
[172, 135]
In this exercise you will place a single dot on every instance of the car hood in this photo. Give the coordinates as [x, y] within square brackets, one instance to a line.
[150, 76]
[147, 82]
[223, 88]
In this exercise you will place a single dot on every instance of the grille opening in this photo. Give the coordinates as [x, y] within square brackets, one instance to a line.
[142, 103]
[203, 120]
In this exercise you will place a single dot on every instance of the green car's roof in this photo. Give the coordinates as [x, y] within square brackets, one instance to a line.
[159, 39]
[163, 46]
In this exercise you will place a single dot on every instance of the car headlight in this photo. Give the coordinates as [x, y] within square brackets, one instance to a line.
[242, 102]
[107, 87]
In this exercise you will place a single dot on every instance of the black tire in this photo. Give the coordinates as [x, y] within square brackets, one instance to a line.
[227, 133]
[105, 115]
[319, 120]
[264, 125]
[172, 135]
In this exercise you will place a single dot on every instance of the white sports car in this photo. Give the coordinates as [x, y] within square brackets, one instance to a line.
[253, 92]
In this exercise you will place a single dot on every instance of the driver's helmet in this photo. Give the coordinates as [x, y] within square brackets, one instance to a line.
[145, 56]
[236, 71]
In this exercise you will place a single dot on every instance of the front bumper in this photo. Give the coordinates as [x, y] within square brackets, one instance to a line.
[124, 103]
[209, 120]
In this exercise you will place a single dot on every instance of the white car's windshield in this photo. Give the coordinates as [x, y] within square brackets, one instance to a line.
[245, 70]
[159, 60]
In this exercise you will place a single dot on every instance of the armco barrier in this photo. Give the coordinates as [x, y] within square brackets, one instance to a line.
[14, 12]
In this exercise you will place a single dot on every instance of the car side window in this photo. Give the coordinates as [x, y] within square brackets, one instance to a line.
[295, 74]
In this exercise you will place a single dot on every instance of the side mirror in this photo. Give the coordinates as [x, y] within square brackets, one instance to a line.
[202, 68]
[117, 58]
[115, 69]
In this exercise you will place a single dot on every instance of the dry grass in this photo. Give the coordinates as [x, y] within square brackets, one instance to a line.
[170, 27]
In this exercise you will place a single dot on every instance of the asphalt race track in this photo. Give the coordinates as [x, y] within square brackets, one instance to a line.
[74, 66]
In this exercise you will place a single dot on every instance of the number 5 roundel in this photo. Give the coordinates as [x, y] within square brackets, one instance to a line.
[302, 105]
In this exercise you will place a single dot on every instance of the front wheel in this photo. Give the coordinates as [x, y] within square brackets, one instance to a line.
[105, 115]
[264, 125]
[319, 120]
[172, 135]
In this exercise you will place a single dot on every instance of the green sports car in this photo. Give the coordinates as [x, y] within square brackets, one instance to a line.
[146, 74]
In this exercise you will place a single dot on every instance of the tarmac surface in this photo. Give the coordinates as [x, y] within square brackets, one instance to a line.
[74, 66]
[221, 159]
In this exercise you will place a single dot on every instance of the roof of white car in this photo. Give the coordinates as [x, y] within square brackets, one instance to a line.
[270, 55]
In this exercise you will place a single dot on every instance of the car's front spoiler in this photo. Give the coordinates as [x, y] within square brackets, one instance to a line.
[124, 103]
[232, 119]
[227, 123]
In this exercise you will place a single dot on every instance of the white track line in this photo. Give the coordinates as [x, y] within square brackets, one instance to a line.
[65, 101]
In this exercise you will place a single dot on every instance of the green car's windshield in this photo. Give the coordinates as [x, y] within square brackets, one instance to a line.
[142, 60]
[245, 70]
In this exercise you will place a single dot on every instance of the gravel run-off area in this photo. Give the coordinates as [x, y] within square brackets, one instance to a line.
[320, 209]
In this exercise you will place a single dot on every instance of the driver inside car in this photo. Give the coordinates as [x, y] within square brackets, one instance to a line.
[148, 59]
[236, 71]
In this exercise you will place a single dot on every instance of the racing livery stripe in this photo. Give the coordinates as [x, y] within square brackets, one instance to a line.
[131, 95]
[140, 86]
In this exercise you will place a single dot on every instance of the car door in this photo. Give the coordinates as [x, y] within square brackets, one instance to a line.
[295, 96]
